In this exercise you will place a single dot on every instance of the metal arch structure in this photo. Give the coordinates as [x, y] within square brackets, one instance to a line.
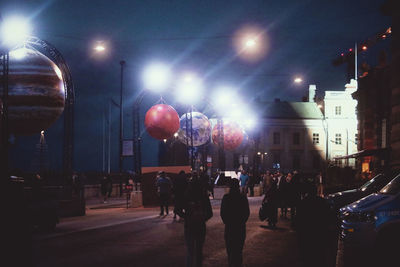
[51, 52]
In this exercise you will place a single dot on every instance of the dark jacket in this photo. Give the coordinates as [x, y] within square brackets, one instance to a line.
[234, 210]
[196, 201]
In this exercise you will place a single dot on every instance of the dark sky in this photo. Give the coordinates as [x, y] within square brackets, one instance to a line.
[303, 37]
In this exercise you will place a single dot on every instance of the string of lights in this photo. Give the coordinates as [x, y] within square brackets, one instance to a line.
[345, 57]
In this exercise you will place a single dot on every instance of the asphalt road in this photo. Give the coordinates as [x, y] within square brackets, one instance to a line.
[138, 237]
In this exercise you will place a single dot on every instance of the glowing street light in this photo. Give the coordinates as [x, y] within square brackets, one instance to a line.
[250, 43]
[298, 80]
[99, 47]
[189, 89]
[156, 77]
[15, 31]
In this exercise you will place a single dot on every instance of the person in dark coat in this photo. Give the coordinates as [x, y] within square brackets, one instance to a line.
[196, 211]
[251, 183]
[234, 213]
[293, 194]
[179, 186]
[314, 224]
[163, 185]
[104, 187]
[272, 198]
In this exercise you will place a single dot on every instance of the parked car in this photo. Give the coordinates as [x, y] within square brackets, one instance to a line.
[371, 226]
[343, 198]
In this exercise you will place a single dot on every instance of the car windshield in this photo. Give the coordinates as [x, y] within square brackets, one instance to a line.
[393, 187]
[370, 182]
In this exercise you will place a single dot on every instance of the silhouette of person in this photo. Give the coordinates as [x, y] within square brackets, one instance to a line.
[234, 213]
[164, 185]
[272, 198]
[313, 223]
[179, 186]
[196, 210]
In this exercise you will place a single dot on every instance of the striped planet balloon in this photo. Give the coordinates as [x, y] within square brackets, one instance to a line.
[36, 92]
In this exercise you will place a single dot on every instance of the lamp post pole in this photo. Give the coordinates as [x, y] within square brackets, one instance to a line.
[4, 116]
[121, 122]
[191, 138]
[221, 152]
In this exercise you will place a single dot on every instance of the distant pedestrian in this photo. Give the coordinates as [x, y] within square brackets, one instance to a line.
[272, 200]
[196, 210]
[320, 185]
[292, 194]
[234, 213]
[104, 187]
[109, 186]
[179, 186]
[251, 183]
[163, 185]
[280, 187]
[244, 180]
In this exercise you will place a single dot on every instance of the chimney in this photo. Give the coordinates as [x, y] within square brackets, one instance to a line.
[311, 92]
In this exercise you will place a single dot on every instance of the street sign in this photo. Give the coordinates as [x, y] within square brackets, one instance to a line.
[127, 148]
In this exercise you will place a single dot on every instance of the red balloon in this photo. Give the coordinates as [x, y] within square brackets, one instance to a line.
[161, 121]
[233, 135]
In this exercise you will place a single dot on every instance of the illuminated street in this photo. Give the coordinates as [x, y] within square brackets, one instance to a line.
[120, 237]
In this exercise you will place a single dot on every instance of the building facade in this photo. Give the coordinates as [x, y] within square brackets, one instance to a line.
[341, 122]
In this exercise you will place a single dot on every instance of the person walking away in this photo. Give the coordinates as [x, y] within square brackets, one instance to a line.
[313, 223]
[280, 185]
[235, 213]
[320, 185]
[196, 211]
[271, 197]
[179, 186]
[163, 185]
[244, 179]
[251, 183]
[104, 187]
[109, 186]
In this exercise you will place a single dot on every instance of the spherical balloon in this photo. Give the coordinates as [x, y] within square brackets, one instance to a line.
[36, 92]
[233, 135]
[201, 129]
[161, 121]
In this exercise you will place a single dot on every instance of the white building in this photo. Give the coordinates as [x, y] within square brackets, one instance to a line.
[341, 122]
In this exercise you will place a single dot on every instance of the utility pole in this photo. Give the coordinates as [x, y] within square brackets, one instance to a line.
[121, 122]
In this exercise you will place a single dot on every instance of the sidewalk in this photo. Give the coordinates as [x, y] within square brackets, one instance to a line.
[112, 202]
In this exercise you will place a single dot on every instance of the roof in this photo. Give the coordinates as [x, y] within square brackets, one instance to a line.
[291, 110]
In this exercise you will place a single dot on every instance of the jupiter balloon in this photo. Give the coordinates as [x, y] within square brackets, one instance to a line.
[161, 121]
[233, 135]
[36, 92]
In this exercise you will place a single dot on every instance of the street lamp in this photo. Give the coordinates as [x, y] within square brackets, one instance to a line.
[100, 48]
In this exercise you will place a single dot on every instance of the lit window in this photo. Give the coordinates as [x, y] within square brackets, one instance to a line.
[338, 139]
[338, 110]
[277, 138]
[315, 138]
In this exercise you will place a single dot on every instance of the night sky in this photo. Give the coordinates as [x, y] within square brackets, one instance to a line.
[301, 37]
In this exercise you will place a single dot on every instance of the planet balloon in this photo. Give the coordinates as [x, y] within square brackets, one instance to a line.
[161, 121]
[201, 129]
[36, 92]
[233, 135]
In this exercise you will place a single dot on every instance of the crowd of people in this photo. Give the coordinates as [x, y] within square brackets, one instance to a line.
[294, 197]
